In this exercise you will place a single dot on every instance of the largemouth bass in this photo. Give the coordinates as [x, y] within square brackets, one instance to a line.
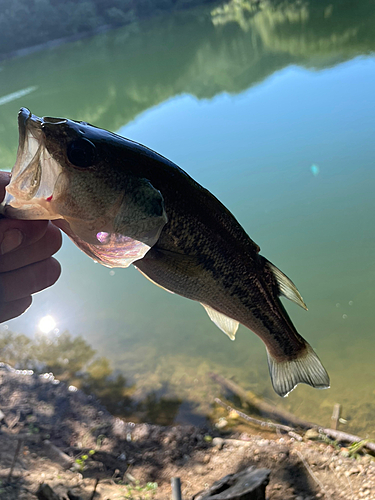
[123, 204]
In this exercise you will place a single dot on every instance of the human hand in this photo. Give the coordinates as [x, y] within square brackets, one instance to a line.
[26, 265]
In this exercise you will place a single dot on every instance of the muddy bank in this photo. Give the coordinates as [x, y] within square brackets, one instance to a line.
[71, 442]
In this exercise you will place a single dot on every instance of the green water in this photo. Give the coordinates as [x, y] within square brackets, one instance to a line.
[273, 111]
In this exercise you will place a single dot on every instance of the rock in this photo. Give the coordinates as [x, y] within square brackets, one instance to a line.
[312, 434]
[353, 470]
[237, 443]
[221, 423]
[141, 432]
[245, 437]
[45, 492]
[73, 496]
[264, 442]
[218, 442]
[118, 427]
[250, 484]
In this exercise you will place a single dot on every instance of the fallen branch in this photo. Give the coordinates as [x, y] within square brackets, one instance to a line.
[280, 427]
[18, 449]
[277, 414]
[265, 409]
[341, 436]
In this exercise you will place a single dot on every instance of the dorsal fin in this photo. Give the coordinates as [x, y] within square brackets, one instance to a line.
[228, 325]
[287, 287]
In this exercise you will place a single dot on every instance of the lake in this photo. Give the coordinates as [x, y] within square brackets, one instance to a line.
[273, 111]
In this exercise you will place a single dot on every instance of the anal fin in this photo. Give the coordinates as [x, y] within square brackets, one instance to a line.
[228, 325]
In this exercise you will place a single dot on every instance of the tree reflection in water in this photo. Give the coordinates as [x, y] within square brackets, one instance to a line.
[73, 361]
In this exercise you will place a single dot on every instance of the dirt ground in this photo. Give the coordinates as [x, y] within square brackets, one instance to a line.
[54, 434]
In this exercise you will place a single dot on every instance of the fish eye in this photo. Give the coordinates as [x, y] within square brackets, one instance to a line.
[81, 153]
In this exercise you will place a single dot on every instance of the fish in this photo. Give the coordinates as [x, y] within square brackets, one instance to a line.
[122, 203]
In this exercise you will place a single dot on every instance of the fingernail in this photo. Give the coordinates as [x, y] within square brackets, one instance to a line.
[12, 239]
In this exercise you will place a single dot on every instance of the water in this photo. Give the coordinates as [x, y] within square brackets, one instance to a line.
[273, 112]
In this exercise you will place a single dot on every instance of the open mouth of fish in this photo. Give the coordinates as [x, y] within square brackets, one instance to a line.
[42, 187]
[34, 176]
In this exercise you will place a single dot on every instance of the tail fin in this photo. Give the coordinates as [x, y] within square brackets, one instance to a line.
[306, 369]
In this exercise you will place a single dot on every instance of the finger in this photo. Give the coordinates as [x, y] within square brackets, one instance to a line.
[11, 310]
[23, 282]
[48, 245]
[4, 181]
[14, 233]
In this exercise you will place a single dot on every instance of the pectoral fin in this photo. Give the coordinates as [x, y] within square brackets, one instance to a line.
[141, 215]
[228, 325]
[111, 249]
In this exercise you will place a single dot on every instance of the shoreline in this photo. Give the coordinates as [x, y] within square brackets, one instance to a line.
[69, 441]
[51, 44]
[56, 42]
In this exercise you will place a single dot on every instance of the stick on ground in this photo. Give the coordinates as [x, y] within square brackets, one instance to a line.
[264, 409]
[18, 449]
[280, 427]
[277, 414]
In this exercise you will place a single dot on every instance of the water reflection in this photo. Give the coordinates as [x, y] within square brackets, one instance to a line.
[71, 360]
[74, 362]
[16, 95]
[160, 410]
[110, 79]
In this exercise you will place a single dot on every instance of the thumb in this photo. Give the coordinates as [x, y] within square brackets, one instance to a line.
[4, 181]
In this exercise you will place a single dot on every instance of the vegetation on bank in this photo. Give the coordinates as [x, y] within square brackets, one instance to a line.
[71, 360]
[25, 23]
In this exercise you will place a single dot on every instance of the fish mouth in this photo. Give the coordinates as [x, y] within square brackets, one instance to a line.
[35, 173]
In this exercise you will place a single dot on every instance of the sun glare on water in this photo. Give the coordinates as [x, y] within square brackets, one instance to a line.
[47, 324]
